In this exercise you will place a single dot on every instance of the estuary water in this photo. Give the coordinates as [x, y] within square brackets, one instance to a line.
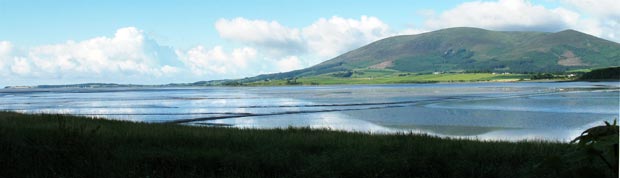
[489, 111]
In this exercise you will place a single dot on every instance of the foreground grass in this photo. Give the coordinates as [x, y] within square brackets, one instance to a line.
[68, 146]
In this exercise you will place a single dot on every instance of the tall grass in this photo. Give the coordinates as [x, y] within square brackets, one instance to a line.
[67, 146]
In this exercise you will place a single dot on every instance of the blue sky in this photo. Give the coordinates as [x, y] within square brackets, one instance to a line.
[182, 23]
[149, 42]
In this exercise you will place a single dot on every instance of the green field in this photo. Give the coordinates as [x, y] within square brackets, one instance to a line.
[68, 146]
[387, 76]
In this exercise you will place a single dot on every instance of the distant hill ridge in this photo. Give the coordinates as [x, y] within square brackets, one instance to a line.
[465, 49]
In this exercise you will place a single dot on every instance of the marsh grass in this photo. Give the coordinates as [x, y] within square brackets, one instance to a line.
[44, 145]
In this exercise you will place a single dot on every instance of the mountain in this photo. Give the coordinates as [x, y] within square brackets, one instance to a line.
[454, 50]
[465, 49]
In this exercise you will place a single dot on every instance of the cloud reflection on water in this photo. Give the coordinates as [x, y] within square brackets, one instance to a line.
[506, 111]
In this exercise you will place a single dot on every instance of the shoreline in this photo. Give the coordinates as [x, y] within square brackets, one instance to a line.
[147, 87]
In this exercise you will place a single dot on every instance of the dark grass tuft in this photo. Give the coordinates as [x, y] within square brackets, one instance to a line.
[43, 145]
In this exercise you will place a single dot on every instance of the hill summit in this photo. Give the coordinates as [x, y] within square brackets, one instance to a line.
[465, 49]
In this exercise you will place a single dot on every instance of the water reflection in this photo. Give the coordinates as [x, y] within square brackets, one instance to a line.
[507, 111]
[329, 120]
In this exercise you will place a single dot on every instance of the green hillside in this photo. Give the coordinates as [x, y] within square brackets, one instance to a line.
[471, 50]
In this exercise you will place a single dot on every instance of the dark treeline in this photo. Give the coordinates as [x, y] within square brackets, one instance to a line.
[612, 73]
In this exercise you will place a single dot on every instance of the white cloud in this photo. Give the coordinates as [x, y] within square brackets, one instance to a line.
[219, 63]
[284, 48]
[166, 69]
[325, 37]
[240, 56]
[331, 37]
[608, 9]
[289, 63]
[604, 17]
[21, 66]
[522, 15]
[127, 54]
[6, 50]
[412, 31]
[272, 36]
[504, 15]
[203, 61]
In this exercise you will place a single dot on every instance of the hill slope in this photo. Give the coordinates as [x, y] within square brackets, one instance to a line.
[471, 49]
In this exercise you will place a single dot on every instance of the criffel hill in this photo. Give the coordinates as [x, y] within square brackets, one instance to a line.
[465, 49]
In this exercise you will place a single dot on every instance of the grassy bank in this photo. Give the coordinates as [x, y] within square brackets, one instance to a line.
[390, 76]
[68, 146]
[386, 76]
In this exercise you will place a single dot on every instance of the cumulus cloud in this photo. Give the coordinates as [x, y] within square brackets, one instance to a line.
[413, 31]
[10, 64]
[522, 15]
[605, 17]
[272, 36]
[205, 61]
[217, 62]
[289, 63]
[284, 48]
[608, 9]
[128, 53]
[504, 15]
[6, 48]
[21, 66]
[330, 37]
[324, 37]
[129, 56]
[125, 52]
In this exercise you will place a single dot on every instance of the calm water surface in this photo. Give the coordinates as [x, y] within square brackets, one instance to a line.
[505, 111]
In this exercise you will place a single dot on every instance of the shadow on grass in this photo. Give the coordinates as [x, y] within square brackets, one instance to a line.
[69, 146]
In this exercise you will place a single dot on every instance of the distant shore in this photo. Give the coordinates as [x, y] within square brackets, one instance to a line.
[324, 80]
[376, 76]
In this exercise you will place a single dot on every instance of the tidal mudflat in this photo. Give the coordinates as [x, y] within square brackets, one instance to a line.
[494, 111]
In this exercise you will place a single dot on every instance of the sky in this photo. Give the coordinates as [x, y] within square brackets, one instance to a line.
[181, 41]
